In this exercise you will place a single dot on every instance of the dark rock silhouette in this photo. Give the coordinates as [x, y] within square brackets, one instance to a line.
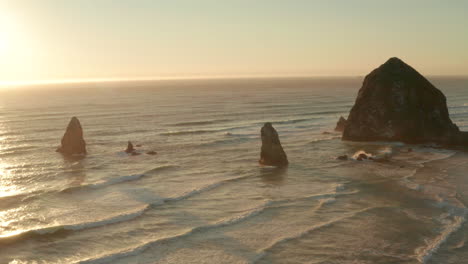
[361, 157]
[396, 103]
[152, 152]
[272, 153]
[72, 141]
[340, 125]
[130, 148]
[342, 157]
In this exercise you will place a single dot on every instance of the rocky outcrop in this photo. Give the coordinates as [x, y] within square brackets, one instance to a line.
[362, 157]
[132, 151]
[396, 103]
[342, 157]
[72, 141]
[340, 125]
[272, 153]
[130, 148]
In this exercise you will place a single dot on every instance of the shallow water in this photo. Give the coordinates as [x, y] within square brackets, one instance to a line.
[203, 198]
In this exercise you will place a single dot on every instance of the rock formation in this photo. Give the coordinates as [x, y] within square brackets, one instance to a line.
[361, 157]
[396, 103]
[72, 141]
[272, 153]
[340, 125]
[342, 157]
[130, 148]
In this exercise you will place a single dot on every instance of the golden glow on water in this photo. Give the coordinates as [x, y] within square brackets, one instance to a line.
[11, 234]
[6, 219]
[7, 175]
[7, 188]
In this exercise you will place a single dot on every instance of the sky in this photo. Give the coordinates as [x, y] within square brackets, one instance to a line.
[42, 40]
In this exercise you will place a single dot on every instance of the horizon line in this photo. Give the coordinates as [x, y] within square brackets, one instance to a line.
[4, 84]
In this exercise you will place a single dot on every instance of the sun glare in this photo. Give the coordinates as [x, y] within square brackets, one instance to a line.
[17, 48]
[6, 34]
[12, 36]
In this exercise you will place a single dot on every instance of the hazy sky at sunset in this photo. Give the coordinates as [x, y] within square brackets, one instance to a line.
[82, 39]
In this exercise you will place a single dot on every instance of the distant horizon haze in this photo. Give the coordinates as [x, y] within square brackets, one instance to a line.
[66, 83]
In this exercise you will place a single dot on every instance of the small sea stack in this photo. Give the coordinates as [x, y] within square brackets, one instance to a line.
[130, 148]
[72, 141]
[340, 125]
[272, 153]
[396, 103]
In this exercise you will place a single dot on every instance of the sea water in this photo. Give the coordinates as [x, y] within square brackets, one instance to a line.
[204, 198]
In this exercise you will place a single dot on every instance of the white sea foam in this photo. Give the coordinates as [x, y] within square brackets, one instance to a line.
[141, 248]
[303, 233]
[107, 221]
[126, 216]
[359, 152]
[424, 254]
[226, 222]
[117, 179]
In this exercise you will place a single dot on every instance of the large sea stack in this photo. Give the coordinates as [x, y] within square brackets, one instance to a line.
[396, 103]
[272, 153]
[72, 141]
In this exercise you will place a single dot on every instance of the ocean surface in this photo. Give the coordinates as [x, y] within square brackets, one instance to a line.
[204, 198]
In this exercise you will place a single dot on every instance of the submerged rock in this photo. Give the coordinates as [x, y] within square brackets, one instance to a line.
[342, 157]
[340, 125]
[72, 141]
[132, 151]
[272, 153]
[130, 148]
[396, 103]
[362, 157]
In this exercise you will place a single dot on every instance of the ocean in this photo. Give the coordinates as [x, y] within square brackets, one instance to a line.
[204, 198]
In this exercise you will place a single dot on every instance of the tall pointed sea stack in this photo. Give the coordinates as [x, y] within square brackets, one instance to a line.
[72, 141]
[272, 153]
[396, 103]
[130, 148]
